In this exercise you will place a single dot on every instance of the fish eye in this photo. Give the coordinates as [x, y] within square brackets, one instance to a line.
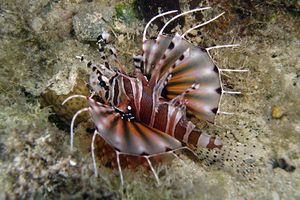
[102, 83]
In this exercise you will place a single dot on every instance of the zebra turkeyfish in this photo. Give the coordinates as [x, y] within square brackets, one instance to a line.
[146, 115]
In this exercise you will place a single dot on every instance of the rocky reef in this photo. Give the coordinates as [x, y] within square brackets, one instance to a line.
[39, 40]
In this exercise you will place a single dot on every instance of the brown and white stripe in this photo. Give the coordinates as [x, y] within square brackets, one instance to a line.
[164, 116]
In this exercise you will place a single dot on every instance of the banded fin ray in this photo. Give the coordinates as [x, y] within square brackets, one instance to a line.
[196, 67]
[176, 48]
[153, 51]
[188, 65]
[130, 137]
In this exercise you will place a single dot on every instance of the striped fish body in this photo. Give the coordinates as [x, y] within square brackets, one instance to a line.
[173, 121]
[145, 116]
[157, 113]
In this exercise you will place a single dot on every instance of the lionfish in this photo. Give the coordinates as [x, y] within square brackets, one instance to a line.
[145, 115]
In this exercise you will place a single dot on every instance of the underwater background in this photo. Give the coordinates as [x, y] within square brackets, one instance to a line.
[39, 40]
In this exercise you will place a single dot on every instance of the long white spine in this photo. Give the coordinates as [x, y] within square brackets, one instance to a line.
[204, 23]
[154, 18]
[72, 125]
[177, 16]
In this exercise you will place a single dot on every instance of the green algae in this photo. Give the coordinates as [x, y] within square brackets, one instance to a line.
[125, 12]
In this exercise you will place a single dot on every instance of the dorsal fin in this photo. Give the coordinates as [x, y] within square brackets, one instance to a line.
[154, 50]
[175, 48]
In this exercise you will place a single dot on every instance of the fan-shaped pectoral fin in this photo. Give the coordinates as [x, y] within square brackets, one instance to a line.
[195, 68]
[128, 136]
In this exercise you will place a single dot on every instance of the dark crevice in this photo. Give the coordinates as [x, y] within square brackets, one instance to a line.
[281, 163]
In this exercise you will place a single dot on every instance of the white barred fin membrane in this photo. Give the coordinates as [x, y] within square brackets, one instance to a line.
[154, 51]
[130, 137]
[192, 65]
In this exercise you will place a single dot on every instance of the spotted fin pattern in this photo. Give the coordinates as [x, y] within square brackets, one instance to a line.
[187, 65]
[154, 51]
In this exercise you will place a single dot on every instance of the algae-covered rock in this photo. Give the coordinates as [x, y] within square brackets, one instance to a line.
[125, 12]
[89, 25]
